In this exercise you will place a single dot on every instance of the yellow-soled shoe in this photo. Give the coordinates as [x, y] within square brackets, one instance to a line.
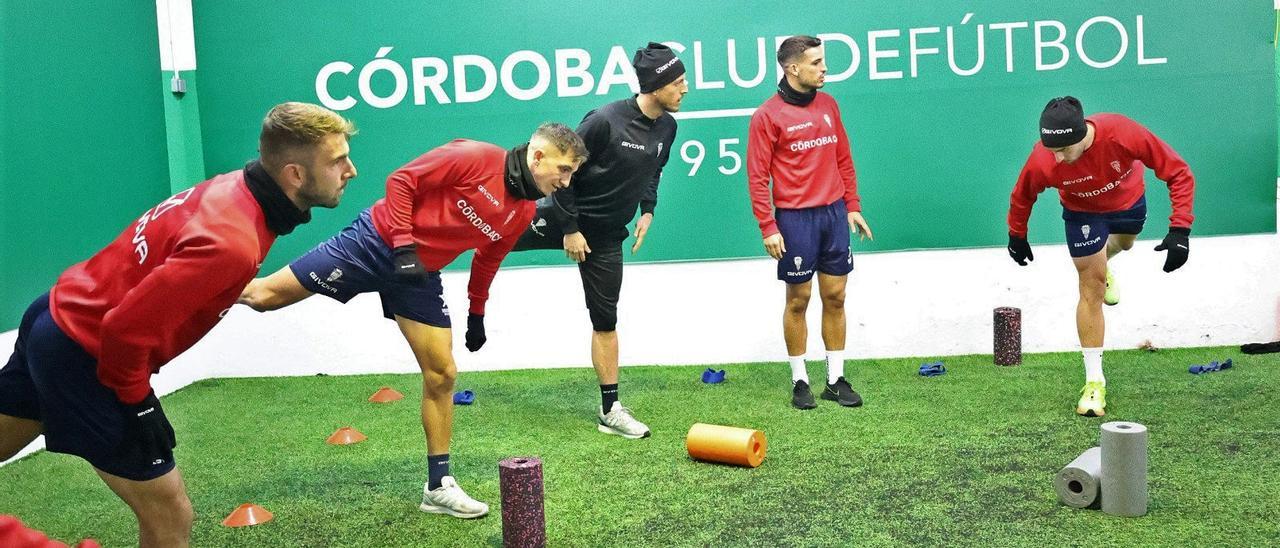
[1112, 295]
[1093, 400]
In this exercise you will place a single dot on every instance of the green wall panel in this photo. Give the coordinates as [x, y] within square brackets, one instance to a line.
[937, 154]
[83, 152]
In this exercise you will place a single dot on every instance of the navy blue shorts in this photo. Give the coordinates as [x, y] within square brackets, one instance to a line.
[816, 238]
[1087, 232]
[51, 379]
[357, 261]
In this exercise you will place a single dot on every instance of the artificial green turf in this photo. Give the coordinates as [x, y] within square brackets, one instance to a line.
[962, 459]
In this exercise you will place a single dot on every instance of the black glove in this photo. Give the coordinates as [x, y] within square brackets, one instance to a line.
[1020, 250]
[407, 267]
[1177, 244]
[148, 436]
[475, 332]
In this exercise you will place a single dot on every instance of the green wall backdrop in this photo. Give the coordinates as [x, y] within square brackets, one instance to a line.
[83, 147]
[937, 154]
[82, 136]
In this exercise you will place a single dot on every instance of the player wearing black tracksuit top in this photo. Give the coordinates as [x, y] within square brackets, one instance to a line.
[628, 151]
[629, 141]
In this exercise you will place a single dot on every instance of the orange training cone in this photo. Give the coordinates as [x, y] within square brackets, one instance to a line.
[727, 444]
[247, 514]
[346, 436]
[385, 394]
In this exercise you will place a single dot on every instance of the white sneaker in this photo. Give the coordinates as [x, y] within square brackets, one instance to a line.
[619, 422]
[450, 499]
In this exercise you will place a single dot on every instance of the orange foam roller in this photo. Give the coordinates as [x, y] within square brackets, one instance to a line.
[727, 444]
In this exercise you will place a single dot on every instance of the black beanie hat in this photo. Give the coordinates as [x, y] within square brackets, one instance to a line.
[1062, 123]
[656, 66]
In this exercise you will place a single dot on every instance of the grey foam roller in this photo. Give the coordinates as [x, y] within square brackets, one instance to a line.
[1124, 469]
[1079, 484]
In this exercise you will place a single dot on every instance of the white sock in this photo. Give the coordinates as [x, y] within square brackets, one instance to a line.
[798, 372]
[835, 365]
[1093, 365]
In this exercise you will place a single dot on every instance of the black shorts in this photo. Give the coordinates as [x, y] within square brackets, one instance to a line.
[52, 379]
[601, 272]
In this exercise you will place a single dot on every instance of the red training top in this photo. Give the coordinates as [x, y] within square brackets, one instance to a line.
[1108, 177]
[805, 151]
[449, 200]
[164, 282]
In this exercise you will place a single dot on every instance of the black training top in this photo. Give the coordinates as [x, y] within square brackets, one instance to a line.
[628, 150]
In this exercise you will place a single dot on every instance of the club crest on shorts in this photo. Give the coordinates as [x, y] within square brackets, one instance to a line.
[337, 273]
[1115, 164]
[798, 260]
[1085, 231]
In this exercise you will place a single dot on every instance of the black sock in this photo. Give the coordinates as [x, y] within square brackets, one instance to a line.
[437, 468]
[608, 395]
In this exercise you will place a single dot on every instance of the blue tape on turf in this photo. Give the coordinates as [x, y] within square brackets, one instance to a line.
[932, 369]
[465, 397]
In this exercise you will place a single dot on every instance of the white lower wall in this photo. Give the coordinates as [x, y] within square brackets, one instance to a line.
[920, 303]
[924, 303]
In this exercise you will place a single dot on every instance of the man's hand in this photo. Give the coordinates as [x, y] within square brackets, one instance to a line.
[1177, 243]
[859, 226]
[575, 247]
[475, 332]
[1020, 250]
[408, 269]
[147, 433]
[642, 228]
[774, 246]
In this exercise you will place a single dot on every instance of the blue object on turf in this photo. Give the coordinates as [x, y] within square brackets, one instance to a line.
[711, 376]
[1210, 367]
[465, 397]
[932, 369]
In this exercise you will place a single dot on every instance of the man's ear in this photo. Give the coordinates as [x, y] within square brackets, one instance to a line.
[293, 175]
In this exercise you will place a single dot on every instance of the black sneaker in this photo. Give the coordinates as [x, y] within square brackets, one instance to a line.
[801, 397]
[842, 393]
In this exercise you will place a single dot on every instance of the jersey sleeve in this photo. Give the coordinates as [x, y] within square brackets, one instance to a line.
[198, 271]
[649, 201]
[844, 164]
[1169, 167]
[1029, 186]
[761, 136]
[484, 267]
[594, 131]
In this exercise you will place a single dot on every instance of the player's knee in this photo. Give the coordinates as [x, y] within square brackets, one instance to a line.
[833, 300]
[439, 380]
[170, 519]
[1093, 285]
[798, 301]
[1125, 244]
